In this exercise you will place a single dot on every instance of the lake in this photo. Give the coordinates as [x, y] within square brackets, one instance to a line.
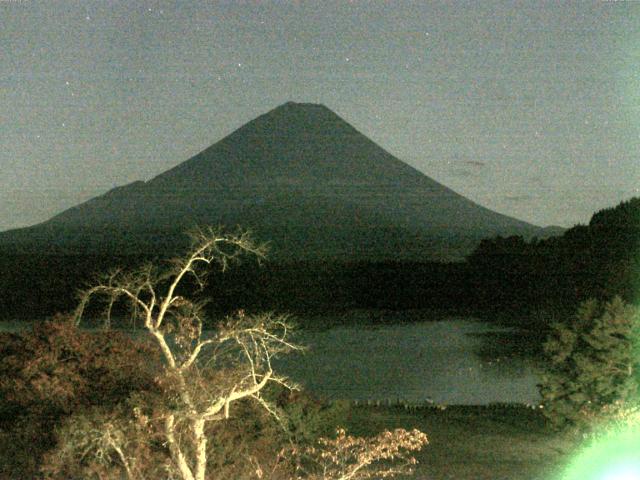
[414, 362]
[434, 361]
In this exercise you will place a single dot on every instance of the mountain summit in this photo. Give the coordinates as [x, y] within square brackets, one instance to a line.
[294, 144]
[298, 176]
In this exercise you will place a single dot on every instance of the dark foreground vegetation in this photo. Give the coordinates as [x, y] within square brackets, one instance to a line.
[58, 381]
[62, 388]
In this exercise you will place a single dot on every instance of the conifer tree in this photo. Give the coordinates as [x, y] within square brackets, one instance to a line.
[591, 362]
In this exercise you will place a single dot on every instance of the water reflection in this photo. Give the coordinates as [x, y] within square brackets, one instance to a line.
[436, 361]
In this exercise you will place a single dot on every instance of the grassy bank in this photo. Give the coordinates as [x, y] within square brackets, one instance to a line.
[475, 443]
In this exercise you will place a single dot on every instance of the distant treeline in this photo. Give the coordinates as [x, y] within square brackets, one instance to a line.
[36, 286]
[598, 260]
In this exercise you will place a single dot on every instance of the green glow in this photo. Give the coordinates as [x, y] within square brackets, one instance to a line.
[614, 456]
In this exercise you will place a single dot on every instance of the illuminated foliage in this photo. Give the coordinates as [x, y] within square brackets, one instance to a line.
[355, 458]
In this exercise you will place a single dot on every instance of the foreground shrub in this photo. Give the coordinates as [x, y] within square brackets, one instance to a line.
[346, 457]
[591, 363]
[53, 370]
[127, 441]
[306, 418]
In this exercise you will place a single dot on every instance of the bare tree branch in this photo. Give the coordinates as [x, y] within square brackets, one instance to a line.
[244, 344]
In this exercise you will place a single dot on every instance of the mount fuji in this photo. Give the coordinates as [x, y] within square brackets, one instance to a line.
[299, 177]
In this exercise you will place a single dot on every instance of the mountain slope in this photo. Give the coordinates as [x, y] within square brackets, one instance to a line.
[298, 176]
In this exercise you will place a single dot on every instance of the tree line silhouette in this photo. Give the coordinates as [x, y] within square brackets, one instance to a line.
[598, 260]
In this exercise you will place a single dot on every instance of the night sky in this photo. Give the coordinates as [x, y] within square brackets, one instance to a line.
[529, 108]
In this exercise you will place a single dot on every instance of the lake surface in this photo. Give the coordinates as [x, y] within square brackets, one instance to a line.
[428, 361]
[414, 362]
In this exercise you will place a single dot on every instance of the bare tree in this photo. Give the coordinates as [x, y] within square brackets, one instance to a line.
[241, 349]
[203, 373]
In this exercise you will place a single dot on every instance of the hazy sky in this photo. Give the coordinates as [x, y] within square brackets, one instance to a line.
[529, 108]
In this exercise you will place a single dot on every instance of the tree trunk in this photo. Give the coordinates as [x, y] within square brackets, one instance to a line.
[201, 448]
[176, 452]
